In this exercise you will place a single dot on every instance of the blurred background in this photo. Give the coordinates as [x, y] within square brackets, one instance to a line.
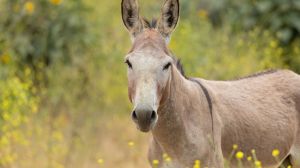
[63, 85]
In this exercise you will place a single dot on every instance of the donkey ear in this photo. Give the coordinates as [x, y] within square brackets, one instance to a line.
[169, 17]
[130, 16]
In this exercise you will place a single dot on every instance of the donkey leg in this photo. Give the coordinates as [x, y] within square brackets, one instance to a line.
[155, 153]
[217, 145]
[287, 161]
[219, 162]
[218, 154]
[215, 160]
[295, 153]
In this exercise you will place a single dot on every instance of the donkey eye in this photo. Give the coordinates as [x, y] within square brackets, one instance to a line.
[128, 63]
[167, 66]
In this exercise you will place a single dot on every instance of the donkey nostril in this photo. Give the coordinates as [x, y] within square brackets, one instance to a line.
[153, 115]
[134, 115]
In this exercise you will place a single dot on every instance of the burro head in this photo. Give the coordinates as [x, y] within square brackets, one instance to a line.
[149, 61]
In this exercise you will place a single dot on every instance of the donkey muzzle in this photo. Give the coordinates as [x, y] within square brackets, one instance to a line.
[144, 118]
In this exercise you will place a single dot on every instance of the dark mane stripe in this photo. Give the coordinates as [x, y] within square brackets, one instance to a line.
[179, 65]
[180, 68]
[258, 74]
[210, 106]
[150, 24]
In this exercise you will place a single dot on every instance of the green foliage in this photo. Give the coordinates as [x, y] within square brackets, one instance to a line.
[292, 56]
[17, 106]
[42, 31]
[281, 17]
[221, 55]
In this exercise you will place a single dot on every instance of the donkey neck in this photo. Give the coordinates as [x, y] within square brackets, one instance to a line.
[184, 110]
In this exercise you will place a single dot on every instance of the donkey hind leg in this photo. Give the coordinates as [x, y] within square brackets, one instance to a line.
[287, 162]
[295, 151]
[294, 157]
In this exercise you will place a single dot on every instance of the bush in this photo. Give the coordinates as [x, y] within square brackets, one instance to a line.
[281, 17]
[219, 54]
[42, 31]
[17, 106]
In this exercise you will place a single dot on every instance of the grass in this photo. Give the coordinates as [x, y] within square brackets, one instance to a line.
[123, 145]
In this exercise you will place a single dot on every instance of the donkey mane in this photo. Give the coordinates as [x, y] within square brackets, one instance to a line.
[258, 74]
[150, 24]
[180, 68]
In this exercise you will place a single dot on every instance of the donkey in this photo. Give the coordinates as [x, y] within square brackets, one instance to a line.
[196, 119]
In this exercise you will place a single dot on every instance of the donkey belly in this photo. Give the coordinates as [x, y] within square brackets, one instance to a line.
[263, 132]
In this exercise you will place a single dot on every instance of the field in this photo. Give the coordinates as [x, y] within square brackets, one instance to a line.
[63, 82]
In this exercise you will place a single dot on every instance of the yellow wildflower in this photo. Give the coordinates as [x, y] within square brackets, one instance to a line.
[234, 146]
[57, 135]
[273, 44]
[257, 163]
[253, 151]
[155, 162]
[27, 71]
[131, 143]
[168, 159]
[203, 14]
[4, 58]
[296, 49]
[100, 161]
[197, 164]
[275, 152]
[56, 2]
[4, 140]
[249, 158]
[239, 155]
[289, 166]
[29, 7]
[34, 108]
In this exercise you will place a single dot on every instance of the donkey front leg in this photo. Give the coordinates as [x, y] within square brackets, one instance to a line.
[155, 153]
[218, 157]
[215, 159]
[217, 154]
[211, 155]
[157, 159]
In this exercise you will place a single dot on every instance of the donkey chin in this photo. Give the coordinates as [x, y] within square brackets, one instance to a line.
[146, 128]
